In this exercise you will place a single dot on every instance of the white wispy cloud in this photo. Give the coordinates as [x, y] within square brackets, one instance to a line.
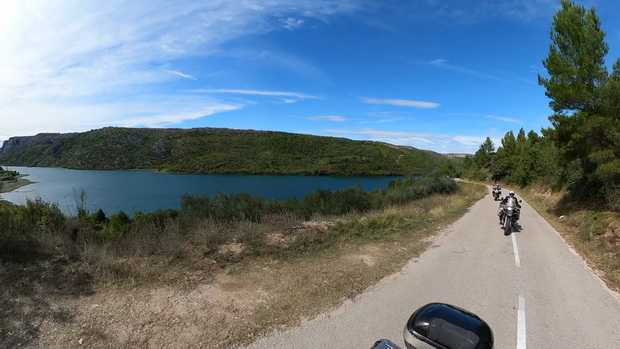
[187, 76]
[292, 23]
[260, 93]
[336, 118]
[526, 10]
[68, 66]
[383, 120]
[503, 118]
[439, 143]
[380, 117]
[443, 64]
[400, 102]
[462, 114]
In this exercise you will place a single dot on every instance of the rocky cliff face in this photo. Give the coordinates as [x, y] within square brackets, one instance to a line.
[48, 141]
[13, 143]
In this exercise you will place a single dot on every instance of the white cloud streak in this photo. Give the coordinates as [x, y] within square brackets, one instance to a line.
[260, 93]
[439, 143]
[181, 74]
[335, 118]
[443, 64]
[503, 118]
[400, 102]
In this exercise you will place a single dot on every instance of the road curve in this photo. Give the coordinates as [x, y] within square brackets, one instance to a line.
[530, 287]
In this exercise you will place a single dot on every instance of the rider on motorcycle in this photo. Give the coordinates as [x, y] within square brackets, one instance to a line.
[496, 191]
[511, 194]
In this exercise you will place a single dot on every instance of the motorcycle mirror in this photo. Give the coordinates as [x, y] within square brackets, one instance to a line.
[385, 344]
[444, 326]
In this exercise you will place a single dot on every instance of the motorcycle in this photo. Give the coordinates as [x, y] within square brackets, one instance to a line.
[496, 194]
[443, 326]
[508, 215]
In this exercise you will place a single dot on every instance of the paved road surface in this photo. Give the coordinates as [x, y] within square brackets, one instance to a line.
[532, 289]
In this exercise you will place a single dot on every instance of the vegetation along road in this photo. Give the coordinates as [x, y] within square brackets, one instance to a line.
[530, 287]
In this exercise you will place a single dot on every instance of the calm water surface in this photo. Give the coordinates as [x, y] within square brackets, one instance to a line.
[147, 191]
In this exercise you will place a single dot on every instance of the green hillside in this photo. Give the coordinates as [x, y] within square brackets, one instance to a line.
[210, 150]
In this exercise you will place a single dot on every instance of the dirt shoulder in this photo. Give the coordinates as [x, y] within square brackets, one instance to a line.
[594, 235]
[233, 305]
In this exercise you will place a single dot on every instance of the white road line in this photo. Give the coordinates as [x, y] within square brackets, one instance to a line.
[516, 250]
[521, 339]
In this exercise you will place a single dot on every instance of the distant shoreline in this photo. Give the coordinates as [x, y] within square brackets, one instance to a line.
[20, 182]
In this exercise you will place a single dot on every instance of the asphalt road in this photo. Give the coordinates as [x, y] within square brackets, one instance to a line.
[532, 289]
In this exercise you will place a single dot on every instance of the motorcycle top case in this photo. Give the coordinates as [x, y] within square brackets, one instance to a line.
[444, 326]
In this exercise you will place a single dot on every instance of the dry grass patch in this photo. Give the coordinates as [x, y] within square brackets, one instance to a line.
[305, 286]
[163, 317]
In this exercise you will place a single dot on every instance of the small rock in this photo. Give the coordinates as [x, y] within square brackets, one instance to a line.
[81, 341]
[562, 217]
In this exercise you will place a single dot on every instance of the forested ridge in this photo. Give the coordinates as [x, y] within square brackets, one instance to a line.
[580, 151]
[212, 150]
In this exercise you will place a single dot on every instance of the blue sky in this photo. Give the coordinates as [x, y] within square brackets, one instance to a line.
[440, 75]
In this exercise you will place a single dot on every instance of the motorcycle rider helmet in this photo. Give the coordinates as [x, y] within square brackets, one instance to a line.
[512, 193]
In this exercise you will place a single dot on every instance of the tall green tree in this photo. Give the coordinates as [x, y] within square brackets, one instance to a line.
[487, 146]
[482, 157]
[576, 67]
[576, 61]
[585, 99]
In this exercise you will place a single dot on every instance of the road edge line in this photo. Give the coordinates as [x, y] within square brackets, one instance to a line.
[521, 333]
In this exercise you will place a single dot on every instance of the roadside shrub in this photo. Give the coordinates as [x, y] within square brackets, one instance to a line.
[209, 233]
[118, 225]
[41, 216]
[277, 206]
[316, 203]
[591, 226]
[612, 196]
[9, 222]
[100, 217]
[194, 208]
[227, 208]
[476, 175]
[158, 219]
[396, 183]
[418, 189]
[350, 200]
[238, 206]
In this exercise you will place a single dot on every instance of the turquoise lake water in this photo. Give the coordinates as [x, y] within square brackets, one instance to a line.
[147, 191]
